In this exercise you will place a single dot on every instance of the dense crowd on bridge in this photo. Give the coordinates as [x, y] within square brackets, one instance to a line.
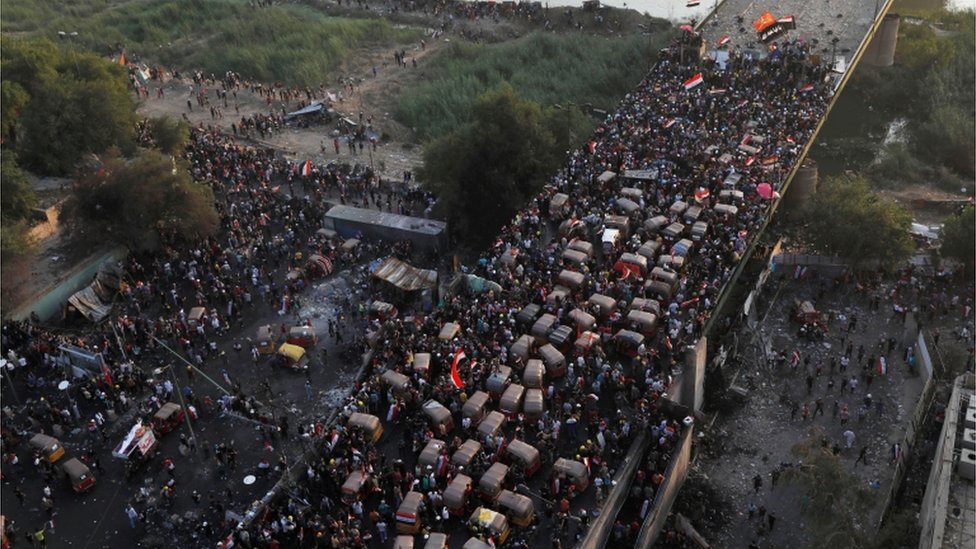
[750, 120]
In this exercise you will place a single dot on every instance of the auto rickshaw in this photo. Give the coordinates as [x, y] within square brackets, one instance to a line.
[526, 317]
[167, 418]
[583, 320]
[398, 382]
[355, 486]
[509, 258]
[265, 341]
[525, 454]
[632, 193]
[631, 262]
[573, 471]
[655, 224]
[403, 542]
[195, 318]
[574, 258]
[511, 400]
[558, 206]
[673, 231]
[78, 474]
[519, 508]
[571, 279]
[683, 247]
[628, 342]
[498, 381]
[303, 336]
[430, 453]
[466, 453]
[382, 311]
[618, 222]
[678, 207]
[671, 261]
[586, 342]
[554, 360]
[492, 482]
[475, 543]
[643, 322]
[456, 494]
[49, 447]
[658, 289]
[474, 407]
[449, 331]
[492, 423]
[489, 524]
[649, 250]
[603, 304]
[368, 423]
[726, 209]
[628, 207]
[441, 421]
[580, 245]
[699, 230]
[542, 327]
[436, 540]
[521, 348]
[692, 214]
[292, 356]
[572, 228]
[562, 338]
[421, 364]
[646, 305]
[534, 404]
[556, 297]
[534, 376]
[409, 514]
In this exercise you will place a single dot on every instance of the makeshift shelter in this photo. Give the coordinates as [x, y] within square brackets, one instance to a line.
[405, 280]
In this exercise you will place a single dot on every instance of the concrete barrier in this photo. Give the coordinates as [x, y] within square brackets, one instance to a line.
[674, 479]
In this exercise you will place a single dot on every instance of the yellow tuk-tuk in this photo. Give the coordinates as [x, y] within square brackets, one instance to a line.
[554, 360]
[50, 448]
[573, 471]
[492, 482]
[535, 374]
[519, 508]
[403, 542]
[535, 404]
[398, 382]
[498, 381]
[436, 540]
[421, 364]
[369, 424]
[355, 486]
[408, 515]
[525, 454]
[456, 494]
[265, 341]
[292, 356]
[428, 456]
[489, 524]
[492, 423]
[449, 331]
[440, 417]
[474, 407]
[466, 453]
[78, 474]
[511, 400]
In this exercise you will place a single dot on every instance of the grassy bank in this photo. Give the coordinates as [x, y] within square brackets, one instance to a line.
[290, 43]
[543, 67]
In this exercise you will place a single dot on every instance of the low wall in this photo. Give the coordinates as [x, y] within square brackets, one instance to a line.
[674, 479]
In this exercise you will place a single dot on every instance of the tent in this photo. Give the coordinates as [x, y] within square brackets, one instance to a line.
[405, 277]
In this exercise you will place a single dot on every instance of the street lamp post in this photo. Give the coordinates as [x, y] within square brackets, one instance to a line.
[833, 52]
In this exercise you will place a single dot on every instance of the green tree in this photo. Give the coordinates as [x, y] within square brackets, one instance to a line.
[959, 237]
[169, 134]
[136, 202]
[483, 171]
[850, 220]
[17, 197]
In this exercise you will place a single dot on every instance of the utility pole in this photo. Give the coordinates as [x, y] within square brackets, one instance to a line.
[186, 410]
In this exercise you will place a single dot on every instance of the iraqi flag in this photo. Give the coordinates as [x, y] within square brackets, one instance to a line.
[882, 366]
[693, 3]
[455, 377]
[787, 22]
[307, 168]
[806, 88]
[668, 123]
[717, 91]
[724, 40]
[701, 194]
[694, 81]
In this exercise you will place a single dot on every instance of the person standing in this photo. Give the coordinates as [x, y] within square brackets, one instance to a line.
[862, 457]
[130, 512]
[849, 437]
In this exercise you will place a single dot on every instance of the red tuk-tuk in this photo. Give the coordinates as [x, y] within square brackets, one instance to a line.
[303, 336]
[78, 474]
[167, 418]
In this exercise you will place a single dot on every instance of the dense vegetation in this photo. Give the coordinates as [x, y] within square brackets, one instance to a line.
[545, 68]
[290, 43]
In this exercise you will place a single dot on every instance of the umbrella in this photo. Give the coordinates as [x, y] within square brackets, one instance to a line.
[765, 190]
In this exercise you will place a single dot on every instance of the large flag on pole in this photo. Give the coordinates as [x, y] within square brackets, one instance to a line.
[455, 378]
[694, 81]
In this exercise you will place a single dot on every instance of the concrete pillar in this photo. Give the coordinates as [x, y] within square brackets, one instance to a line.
[691, 386]
[881, 50]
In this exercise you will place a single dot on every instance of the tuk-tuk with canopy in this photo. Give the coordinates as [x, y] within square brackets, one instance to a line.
[509, 258]
[436, 540]
[658, 289]
[492, 482]
[525, 454]
[692, 214]
[586, 341]
[556, 297]
[674, 262]
[632, 193]
[534, 376]
[582, 246]
[554, 360]
[303, 336]
[474, 407]
[558, 206]
[631, 262]
[628, 342]
[604, 305]
[673, 231]
[618, 222]
[628, 207]
[731, 194]
[562, 338]
[521, 348]
[582, 319]
[606, 177]
[519, 508]
[649, 249]
[398, 382]
[167, 418]
[78, 474]
[573, 471]
[440, 418]
[542, 327]
[466, 453]
[574, 258]
[683, 247]
[421, 364]
[355, 487]
[498, 381]
[526, 317]
[265, 340]
[456, 494]
[492, 424]
[699, 230]
[449, 331]
[409, 516]
[534, 404]
[292, 356]
[196, 316]
[678, 207]
[324, 235]
[381, 310]
[571, 279]
[511, 400]
[475, 543]
[646, 305]
[664, 275]
[572, 228]
[403, 542]
[610, 240]
[49, 447]
[430, 453]
[643, 322]
[655, 224]
[368, 423]
[726, 209]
